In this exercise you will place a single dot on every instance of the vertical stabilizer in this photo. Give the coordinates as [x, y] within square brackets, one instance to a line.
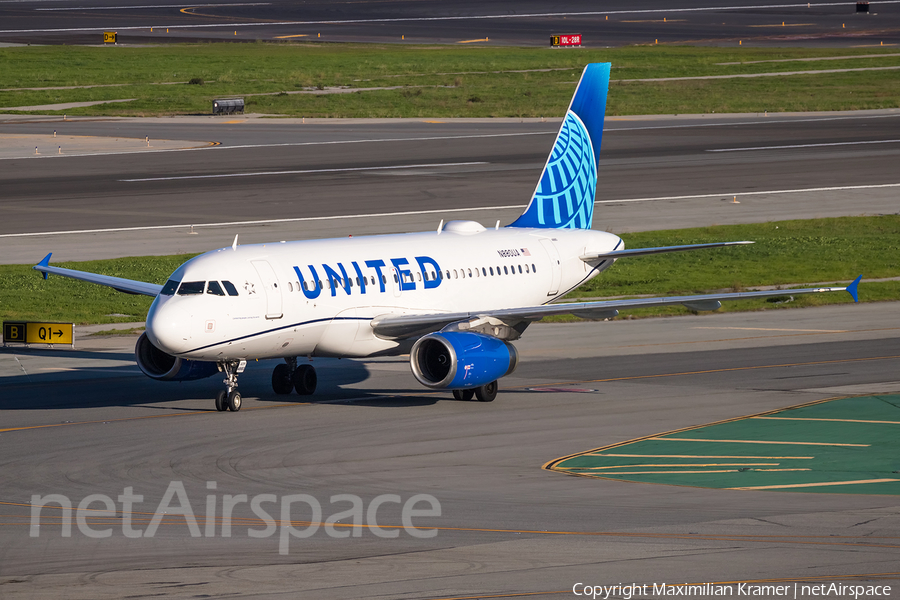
[564, 196]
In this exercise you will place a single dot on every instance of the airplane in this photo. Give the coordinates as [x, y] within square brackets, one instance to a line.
[453, 298]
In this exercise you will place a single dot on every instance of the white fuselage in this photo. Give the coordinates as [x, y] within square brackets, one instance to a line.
[318, 298]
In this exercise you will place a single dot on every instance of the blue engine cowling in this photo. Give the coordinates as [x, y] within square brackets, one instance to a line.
[460, 360]
[156, 364]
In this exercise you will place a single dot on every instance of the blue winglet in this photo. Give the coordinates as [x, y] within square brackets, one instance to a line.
[851, 289]
[44, 263]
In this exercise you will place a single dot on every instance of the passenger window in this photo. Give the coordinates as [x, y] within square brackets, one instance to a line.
[470, 272]
[419, 276]
[395, 278]
[491, 269]
[484, 271]
[214, 288]
[357, 282]
[169, 288]
[520, 269]
[533, 268]
[383, 279]
[229, 287]
[189, 288]
[505, 270]
[455, 274]
[321, 286]
[440, 275]
[526, 268]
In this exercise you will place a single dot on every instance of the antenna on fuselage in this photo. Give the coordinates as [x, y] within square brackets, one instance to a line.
[234, 243]
[440, 227]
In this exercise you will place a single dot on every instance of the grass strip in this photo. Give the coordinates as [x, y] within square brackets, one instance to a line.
[437, 81]
[785, 253]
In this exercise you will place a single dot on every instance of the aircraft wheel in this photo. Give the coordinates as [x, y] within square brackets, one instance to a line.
[281, 379]
[234, 401]
[220, 401]
[464, 395]
[305, 379]
[487, 392]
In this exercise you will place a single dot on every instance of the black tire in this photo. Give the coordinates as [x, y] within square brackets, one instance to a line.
[234, 401]
[464, 395]
[281, 380]
[305, 379]
[487, 392]
[220, 401]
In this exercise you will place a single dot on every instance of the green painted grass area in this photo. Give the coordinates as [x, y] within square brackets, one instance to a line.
[846, 446]
[785, 253]
[437, 81]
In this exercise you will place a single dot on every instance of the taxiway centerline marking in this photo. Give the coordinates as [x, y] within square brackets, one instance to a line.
[306, 171]
[820, 145]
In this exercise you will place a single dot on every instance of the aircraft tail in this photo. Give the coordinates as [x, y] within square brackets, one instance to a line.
[564, 196]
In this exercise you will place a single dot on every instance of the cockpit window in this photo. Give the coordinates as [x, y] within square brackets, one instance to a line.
[229, 287]
[169, 288]
[214, 288]
[189, 288]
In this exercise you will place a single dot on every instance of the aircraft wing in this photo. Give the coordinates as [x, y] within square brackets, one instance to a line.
[129, 286]
[407, 326]
[659, 250]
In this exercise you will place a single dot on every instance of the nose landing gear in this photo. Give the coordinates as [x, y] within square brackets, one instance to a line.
[289, 377]
[229, 398]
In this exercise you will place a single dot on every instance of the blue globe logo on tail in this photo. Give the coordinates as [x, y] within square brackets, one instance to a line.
[564, 196]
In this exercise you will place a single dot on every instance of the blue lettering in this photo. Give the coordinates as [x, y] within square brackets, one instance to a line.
[429, 283]
[314, 290]
[378, 265]
[361, 277]
[403, 274]
[334, 275]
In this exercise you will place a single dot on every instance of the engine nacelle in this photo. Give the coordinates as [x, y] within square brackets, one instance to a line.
[460, 360]
[156, 364]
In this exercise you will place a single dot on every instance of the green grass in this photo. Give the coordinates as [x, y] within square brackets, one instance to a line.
[787, 252]
[438, 81]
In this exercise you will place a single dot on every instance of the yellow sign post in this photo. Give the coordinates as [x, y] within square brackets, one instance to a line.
[109, 37]
[38, 333]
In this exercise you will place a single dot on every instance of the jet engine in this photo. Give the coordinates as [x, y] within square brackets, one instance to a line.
[156, 364]
[461, 360]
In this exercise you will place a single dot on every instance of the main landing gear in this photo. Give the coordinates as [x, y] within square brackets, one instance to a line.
[485, 393]
[290, 376]
[229, 398]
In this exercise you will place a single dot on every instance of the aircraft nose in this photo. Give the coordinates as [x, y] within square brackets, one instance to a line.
[167, 326]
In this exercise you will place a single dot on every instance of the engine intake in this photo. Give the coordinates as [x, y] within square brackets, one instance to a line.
[156, 364]
[460, 360]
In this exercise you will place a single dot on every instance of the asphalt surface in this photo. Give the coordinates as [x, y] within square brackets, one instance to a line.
[269, 180]
[520, 23]
[84, 422]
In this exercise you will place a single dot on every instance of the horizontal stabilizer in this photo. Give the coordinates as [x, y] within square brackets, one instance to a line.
[129, 286]
[659, 250]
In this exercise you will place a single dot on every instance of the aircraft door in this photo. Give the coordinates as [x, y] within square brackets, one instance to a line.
[270, 285]
[555, 267]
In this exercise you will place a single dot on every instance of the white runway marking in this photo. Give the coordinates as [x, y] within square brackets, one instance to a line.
[461, 17]
[822, 145]
[286, 144]
[305, 172]
[152, 6]
[430, 212]
[763, 193]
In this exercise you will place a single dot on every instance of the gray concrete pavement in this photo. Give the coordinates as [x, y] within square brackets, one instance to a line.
[506, 526]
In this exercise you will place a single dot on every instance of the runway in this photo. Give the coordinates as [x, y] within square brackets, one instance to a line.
[276, 180]
[86, 424]
[89, 423]
[497, 22]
